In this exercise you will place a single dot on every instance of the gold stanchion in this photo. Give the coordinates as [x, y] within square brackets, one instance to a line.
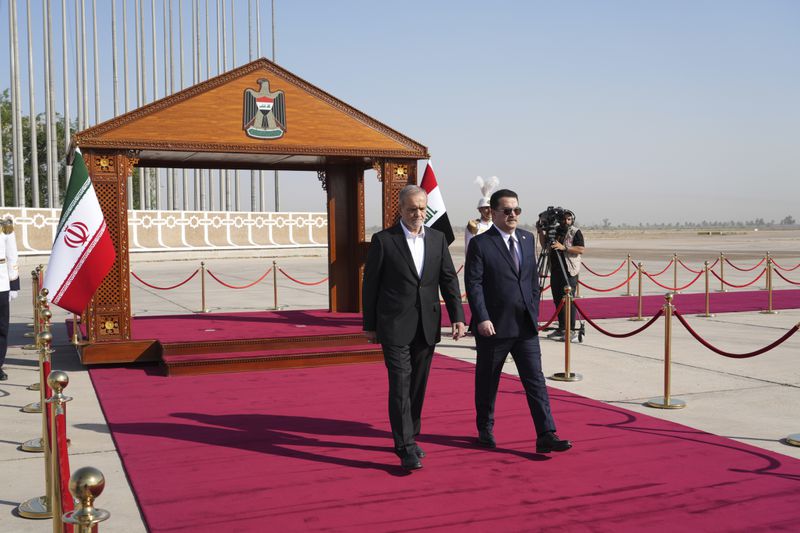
[58, 381]
[275, 284]
[628, 283]
[85, 485]
[36, 407]
[203, 308]
[567, 375]
[639, 317]
[34, 445]
[766, 278]
[36, 320]
[666, 402]
[40, 507]
[675, 272]
[769, 310]
[707, 314]
[76, 330]
[722, 273]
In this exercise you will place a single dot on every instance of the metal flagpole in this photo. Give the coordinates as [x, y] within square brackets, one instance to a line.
[198, 185]
[32, 116]
[220, 70]
[185, 196]
[167, 82]
[51, 96]
[209, 202]
[65, 64]
[2, 168]
[236, 189]
[96, 64]
[156, 173]
[15, 126]
[253, 173]
[277, 180]
[262, 204]
[78, 77]
[53, 195]
[227, 188]
[114, 55]
[138, 86]
[126, 84]
[144, 180]
[84, 67]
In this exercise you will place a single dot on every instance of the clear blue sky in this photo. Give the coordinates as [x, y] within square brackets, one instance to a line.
[634, 111]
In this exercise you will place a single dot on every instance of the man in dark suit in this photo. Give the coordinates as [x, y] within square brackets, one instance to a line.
[407, 265]
[503, 292]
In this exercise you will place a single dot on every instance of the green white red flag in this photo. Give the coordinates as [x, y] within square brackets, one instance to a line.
[83, 251]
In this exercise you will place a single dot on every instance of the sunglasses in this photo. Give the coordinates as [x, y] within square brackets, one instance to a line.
[508, 211]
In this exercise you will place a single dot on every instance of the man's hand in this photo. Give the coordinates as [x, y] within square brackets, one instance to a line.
[12, 295]
[371, 336]
[459, 330]
[486, 328]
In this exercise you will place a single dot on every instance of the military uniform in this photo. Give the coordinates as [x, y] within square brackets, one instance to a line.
[9, 283]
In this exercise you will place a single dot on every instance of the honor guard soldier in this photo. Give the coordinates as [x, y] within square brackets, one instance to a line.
[484, 222]
[9, 283]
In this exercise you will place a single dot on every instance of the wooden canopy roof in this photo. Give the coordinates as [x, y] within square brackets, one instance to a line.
[204, 126]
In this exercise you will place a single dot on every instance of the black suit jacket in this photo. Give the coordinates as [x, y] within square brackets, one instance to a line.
[394, 298]
[496, 291]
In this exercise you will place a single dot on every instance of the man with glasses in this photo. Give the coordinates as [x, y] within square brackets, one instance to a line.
[407, 265]
[502, 283]
[569, 245]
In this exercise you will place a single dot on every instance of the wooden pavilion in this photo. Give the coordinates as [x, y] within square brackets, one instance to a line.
[258, 117]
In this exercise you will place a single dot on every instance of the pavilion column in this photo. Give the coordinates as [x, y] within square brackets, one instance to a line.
[344, 184]
[395, 174]
[108, 316]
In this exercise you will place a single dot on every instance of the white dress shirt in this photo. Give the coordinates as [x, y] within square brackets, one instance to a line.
[416, 245]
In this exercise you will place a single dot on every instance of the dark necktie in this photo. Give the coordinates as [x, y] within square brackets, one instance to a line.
[513, 249]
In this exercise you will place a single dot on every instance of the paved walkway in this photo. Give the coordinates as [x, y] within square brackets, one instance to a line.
[752, 400]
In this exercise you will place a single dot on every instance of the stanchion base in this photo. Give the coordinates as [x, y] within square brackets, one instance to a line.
[34, 386]
[202, 311]
[30, 347]
[34, 407]
[704, 315]
[36, 508]
[637, 319]
[627, 294]
[32, 446]
[661, 403]
[768, 312]
[29, 334]
[563, 376]
[793, 440]
[721, 290]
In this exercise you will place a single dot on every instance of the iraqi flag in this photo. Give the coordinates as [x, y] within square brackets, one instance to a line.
[83, 252]
[437, 213]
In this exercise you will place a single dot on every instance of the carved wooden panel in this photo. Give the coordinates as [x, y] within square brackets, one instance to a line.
[109, 312]
[396, 174]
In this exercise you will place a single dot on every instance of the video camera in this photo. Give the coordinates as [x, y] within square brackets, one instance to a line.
[549, 222]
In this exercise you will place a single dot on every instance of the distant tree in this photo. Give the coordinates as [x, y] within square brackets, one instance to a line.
[788, 221]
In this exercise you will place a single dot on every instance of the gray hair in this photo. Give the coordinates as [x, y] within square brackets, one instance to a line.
[411, 190]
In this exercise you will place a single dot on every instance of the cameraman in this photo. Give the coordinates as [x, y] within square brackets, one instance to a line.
[568, 243]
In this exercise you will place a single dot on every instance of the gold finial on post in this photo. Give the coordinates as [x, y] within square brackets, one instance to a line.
[85, 485]
[666, 402]
[567, 375]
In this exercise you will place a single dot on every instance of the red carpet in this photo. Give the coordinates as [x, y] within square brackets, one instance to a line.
[221, 326]
[310, 449]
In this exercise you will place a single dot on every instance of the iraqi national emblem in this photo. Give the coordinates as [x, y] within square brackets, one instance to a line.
[264, 112]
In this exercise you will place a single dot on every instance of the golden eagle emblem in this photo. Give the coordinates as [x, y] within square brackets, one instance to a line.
[264, 112]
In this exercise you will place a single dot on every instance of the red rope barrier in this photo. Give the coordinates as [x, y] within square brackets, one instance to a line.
[673, 288]
[684, 265]
[739, 286]
[745, 269]
[612, 288]
[302, 282]
[620, 335]
[605, 275]
[735, 355]
[555, 315]
[239, 286]
[666, 267]
[787, 280]
[785, 269]
[143, 282]
[62, 453]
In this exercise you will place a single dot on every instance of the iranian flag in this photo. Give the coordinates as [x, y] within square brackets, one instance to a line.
[437, 213]
[83, 252]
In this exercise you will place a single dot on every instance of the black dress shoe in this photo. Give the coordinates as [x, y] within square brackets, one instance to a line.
[399, 452]
[410, 461]
[549, 442]
[3, 375]
[486, 439]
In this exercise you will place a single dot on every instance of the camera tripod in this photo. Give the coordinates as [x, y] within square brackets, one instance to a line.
[545, 268]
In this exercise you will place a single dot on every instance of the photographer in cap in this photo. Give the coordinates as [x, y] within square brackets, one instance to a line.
[569, 243]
